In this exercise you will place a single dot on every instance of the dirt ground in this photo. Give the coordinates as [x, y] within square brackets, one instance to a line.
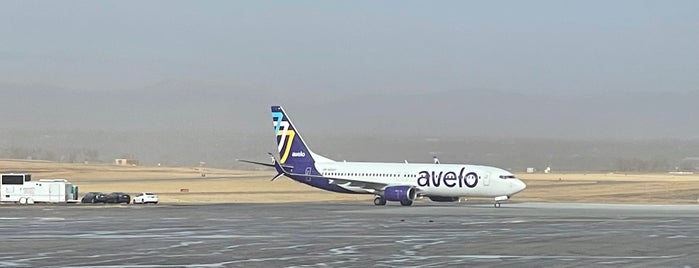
[188, 185]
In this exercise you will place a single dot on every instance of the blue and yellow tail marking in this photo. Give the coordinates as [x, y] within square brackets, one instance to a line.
[285, 135]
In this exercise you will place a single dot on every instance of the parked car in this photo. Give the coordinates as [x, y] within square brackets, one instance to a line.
[118, 197]
[94, 197]
[146, 198]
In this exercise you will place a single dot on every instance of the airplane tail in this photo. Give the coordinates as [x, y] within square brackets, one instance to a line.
[293, 151]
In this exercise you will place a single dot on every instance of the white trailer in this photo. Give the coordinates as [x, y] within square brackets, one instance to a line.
[21, 189]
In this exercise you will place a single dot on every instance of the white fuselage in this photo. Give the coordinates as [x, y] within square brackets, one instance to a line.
[447, 180]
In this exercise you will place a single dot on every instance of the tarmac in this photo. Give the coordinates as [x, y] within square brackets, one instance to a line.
[352, 234]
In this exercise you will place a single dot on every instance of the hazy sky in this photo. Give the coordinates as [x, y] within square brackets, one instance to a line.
[365, 49]
[354, 45]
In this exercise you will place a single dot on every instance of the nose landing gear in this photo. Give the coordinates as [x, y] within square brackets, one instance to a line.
[500, 198]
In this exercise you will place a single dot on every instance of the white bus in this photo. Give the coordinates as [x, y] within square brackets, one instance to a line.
[21, 189]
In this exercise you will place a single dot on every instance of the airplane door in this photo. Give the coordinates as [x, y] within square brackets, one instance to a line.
[308, 172]
[486, 179]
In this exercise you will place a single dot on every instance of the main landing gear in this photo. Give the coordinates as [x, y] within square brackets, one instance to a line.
[379, 200]
[406, 203]
[497, 204]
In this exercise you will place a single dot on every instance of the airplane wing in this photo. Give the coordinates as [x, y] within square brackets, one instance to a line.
[366, 185]
[359, 184]
[350, 184]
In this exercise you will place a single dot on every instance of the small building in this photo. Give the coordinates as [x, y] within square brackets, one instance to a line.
[125, 162]
[20, 188]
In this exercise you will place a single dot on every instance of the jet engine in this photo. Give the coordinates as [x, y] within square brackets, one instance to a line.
[443, 198]
[404, 194]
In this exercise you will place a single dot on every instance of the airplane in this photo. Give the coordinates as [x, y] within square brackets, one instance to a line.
[396, 182]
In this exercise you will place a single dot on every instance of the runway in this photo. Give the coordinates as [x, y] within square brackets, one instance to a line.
[350, 235]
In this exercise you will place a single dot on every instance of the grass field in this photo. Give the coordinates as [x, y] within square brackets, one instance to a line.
[223, 185]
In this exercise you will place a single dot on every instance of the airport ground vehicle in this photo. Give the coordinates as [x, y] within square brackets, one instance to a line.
[118, 197]
[94, 197]
[145, 198]
[21, 189]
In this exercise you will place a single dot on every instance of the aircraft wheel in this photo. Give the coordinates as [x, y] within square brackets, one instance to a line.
[497, 204]
[379, 201]
[406, 203]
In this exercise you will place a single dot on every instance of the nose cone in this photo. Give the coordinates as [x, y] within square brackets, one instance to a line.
[517, 186]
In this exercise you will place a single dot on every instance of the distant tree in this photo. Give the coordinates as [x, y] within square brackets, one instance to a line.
[50, 156]
[91, 155]
[639, 165]
[689, 165]
[15, 152]
[73, 156]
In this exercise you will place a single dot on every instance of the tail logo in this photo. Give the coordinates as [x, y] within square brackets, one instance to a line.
[285, 136]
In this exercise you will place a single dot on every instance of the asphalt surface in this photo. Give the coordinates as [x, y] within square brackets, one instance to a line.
[350, 235]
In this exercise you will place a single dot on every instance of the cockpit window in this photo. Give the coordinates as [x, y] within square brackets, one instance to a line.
[504, 177]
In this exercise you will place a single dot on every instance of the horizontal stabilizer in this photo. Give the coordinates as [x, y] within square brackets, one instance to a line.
[256, 163]
[281, 169]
